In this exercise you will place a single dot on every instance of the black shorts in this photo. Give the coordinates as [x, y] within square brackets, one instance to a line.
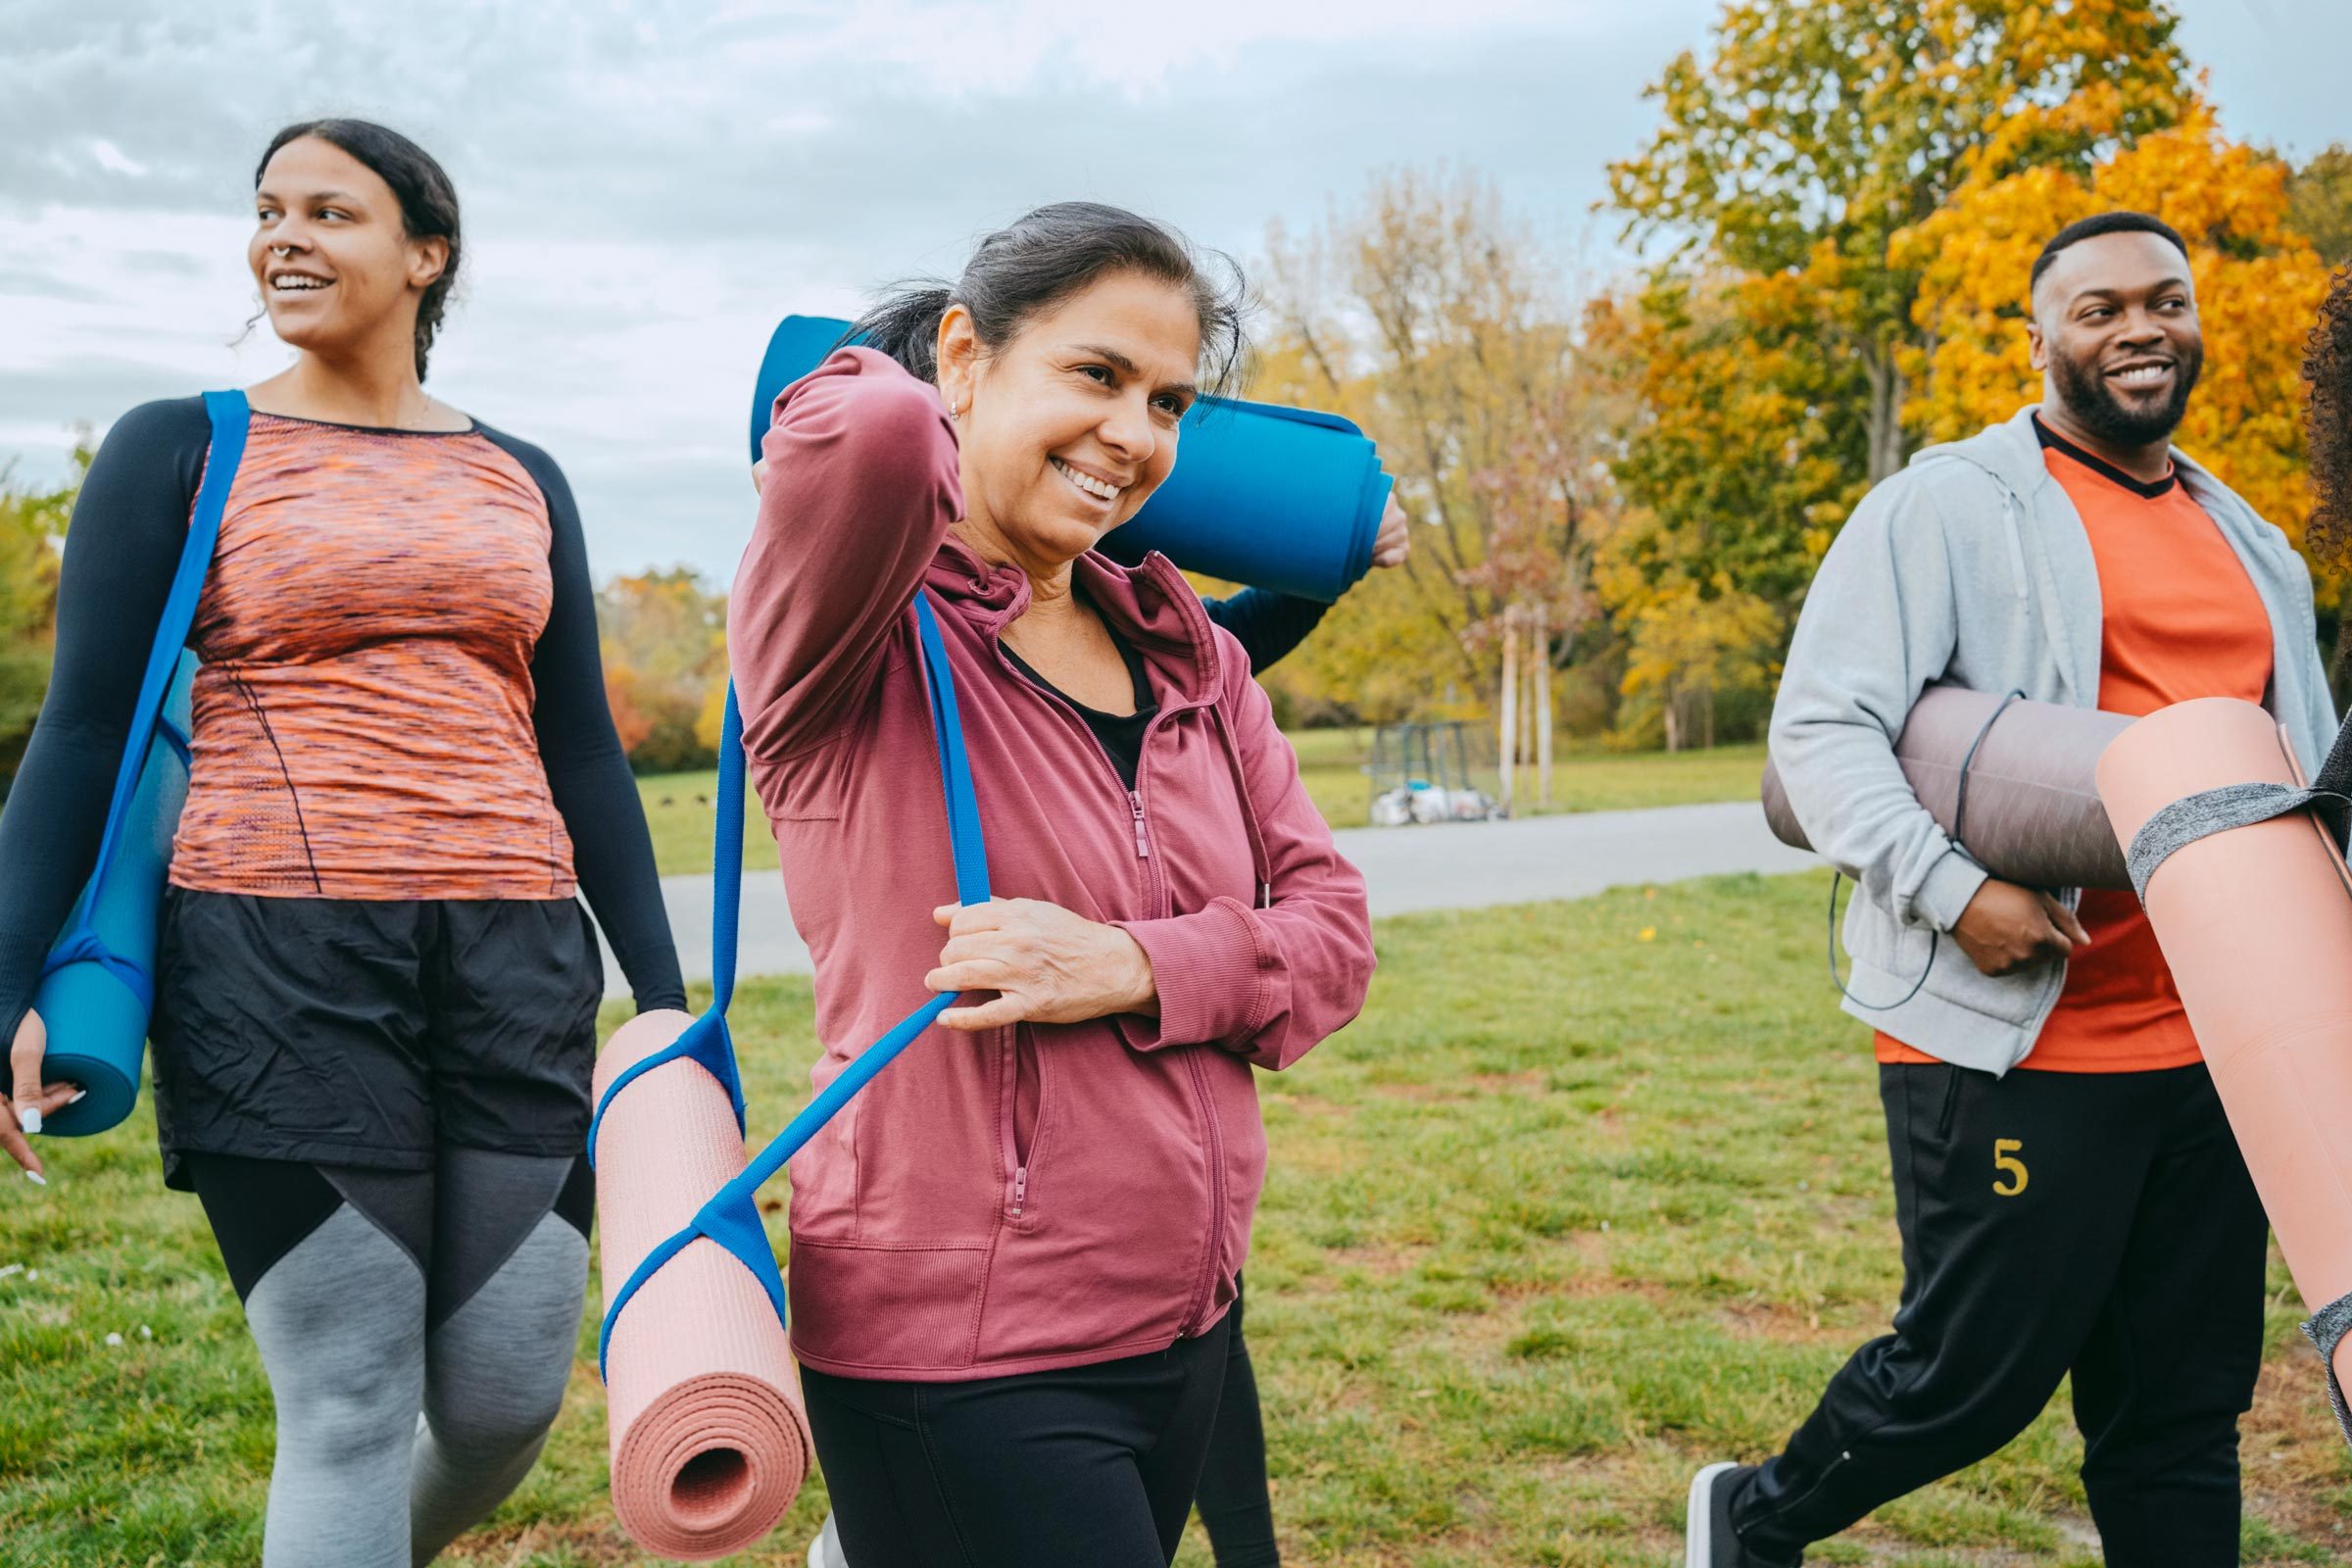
[349, 1032]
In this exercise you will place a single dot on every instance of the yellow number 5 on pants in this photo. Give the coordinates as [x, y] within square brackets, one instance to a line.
[2012, 1169]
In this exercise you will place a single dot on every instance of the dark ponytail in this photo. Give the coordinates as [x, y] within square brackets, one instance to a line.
[1043, 258]
[428, 202]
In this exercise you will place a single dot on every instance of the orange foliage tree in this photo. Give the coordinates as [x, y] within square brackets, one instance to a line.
[663, 637]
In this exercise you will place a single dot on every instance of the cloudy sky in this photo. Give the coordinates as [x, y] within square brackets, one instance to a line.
[648, 186]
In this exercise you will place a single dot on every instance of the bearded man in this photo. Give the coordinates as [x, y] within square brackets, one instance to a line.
[2069, 1194]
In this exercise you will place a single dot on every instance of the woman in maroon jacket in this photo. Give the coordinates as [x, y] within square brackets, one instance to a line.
[1012, 1255]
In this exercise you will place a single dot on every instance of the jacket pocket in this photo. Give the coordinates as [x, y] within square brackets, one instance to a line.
[1021, 1103]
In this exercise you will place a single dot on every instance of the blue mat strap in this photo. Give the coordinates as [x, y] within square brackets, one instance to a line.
[82, 945]
[706, 1040]
[230, 418]
[176, 740]
[731, 1217]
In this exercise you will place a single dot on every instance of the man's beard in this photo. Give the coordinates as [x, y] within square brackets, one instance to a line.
[2092, 401]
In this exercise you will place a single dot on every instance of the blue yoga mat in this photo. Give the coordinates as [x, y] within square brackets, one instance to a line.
[98, 986]
[97, 1021]
[1277, 498]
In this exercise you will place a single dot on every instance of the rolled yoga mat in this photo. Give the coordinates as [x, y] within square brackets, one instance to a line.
[1286, 499]
[97, 987]
[2032, 814]
[97, 1022]
[709, 1441]
[2256, 925]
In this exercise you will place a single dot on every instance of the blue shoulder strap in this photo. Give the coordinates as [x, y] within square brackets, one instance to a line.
[731, 1217]
[229, 416]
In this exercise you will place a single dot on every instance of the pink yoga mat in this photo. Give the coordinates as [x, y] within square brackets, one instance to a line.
[2256, 923]
[710, 1440]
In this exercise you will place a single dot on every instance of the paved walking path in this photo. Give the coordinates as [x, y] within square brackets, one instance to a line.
[1446, 866]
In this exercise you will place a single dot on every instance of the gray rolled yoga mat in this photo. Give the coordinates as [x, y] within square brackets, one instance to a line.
[2033, 811]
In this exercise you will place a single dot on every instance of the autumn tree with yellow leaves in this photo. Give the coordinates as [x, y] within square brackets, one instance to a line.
[2259, 283]
[1813, 133]
[1855, 191]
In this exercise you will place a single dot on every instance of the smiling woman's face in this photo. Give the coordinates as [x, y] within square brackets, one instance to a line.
[334, 259]
[1069, 427]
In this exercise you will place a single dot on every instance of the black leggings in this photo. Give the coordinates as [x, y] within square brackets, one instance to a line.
[1087, 1467]
[1234, 1502]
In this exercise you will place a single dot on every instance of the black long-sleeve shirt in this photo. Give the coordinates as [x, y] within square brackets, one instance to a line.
[1267, 624]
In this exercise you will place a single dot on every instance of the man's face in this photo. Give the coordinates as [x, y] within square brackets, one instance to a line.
[2115, 332]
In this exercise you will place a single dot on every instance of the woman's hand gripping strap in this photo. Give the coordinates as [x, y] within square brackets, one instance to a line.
[230, 418]
[706, 1040]
[731, 1217]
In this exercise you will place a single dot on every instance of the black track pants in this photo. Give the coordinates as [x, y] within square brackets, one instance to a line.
[2101, 1224]
[1089, 1467]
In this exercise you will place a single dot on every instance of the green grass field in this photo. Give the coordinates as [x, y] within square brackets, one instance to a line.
[1594, 1193]
[678, 805]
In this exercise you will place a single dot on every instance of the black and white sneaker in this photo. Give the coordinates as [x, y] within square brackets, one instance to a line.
[1707, 1538]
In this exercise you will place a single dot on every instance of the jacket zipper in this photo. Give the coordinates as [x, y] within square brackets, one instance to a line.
[1135, 799]
[1155, 900]
[1205, 1290]
[1013, 1152]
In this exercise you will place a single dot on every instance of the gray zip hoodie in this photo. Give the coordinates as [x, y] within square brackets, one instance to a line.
[1971, 566]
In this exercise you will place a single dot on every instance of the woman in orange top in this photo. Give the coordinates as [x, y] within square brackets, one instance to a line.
[376, 992]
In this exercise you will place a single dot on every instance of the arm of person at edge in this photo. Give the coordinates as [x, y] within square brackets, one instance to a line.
[123, 547]
[1269, 624]
[859, 482]
[1879, 626]
[588, 773]
[1267, 984]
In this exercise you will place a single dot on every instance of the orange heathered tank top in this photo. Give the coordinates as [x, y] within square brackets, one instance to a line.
[362, 714]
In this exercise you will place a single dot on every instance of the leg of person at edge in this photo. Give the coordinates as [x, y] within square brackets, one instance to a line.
[2068, 1192]
[1234, 1499]
[377, 995]
[1014, 1256]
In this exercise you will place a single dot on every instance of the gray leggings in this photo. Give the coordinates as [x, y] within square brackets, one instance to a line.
[418, 1331]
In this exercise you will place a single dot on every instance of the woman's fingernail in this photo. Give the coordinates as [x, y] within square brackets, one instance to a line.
[29, 1118]
[80, 1095]
[36, 1178]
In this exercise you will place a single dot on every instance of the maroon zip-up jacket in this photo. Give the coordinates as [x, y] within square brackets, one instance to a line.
[1047, 1194]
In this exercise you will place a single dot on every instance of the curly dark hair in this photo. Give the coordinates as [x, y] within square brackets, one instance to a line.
[2327, 367]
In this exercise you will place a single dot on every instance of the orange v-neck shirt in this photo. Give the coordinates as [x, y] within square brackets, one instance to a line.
[2181, 620]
